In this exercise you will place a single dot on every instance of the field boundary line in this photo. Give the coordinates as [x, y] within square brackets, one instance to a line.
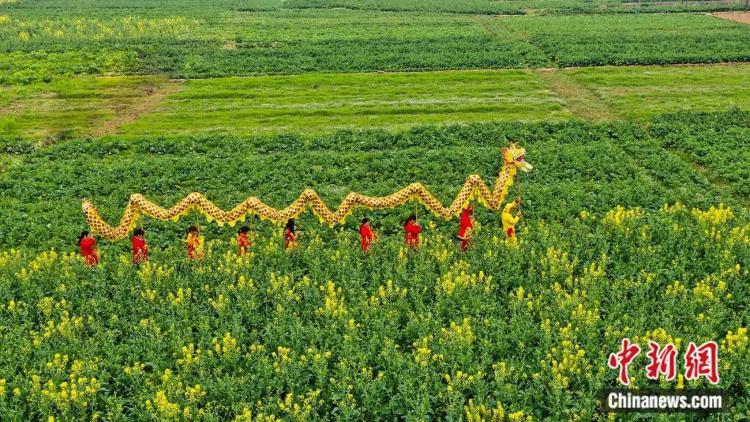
[140, 107]
[578, 99]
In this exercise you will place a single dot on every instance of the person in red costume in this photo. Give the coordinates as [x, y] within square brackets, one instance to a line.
[194, 243]
[465, 226]
[140, 247]
[290, 235]
[412, 229]
[243, 241]
[367, 234]
[87, 245]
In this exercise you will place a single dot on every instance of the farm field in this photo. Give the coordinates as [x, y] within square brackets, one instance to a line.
[39, 43]
[326, 330]
[323, 103]
[636, 216]
[504, 333]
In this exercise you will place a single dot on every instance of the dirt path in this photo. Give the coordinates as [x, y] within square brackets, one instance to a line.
[130, 113]
[741, 17]
[579, 100]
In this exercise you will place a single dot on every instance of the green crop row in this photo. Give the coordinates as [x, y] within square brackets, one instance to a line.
[626, 40]
[502, 7]
[44, 43]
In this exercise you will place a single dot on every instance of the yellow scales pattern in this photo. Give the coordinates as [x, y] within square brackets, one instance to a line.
[474, 187]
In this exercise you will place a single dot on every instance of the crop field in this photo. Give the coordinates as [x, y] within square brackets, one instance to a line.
[322, 103]
[635, 224]
[41, 41]
[504, 333]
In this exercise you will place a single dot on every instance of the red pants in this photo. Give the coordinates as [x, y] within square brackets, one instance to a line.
[91, 260]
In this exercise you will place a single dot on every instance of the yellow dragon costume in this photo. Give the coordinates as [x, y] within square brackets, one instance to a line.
[514, 159]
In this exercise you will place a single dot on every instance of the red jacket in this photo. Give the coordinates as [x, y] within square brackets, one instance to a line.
[367, 235]
[290, 239]
[140, 250]
[87, 246]
[243, 243]
[412, 234]
[465, 223]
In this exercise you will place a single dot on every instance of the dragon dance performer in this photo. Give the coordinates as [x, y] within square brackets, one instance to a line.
[465, 227]
[194, 243]
[243, 241]
[290, 235]
[509, 220]
[140, 246]
[412, 229]
[87, 245]
[367, 234]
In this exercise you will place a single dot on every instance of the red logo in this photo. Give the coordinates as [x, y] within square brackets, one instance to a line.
[700, 361]
[623, 358]
[662, 361]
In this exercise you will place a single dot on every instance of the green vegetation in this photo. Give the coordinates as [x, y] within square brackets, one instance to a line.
[70, 107]
[639, 39]
[258, 43]
[322, 103]
[325, 332]
[511, 7]
[234, 98]
[40, 41]
[317, 103]
[717, 146]
[639, 91]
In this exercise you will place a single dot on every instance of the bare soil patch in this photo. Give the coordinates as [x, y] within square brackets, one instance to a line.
[741, 17]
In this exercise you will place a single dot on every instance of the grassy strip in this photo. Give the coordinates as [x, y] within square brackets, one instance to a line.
[71, 107]
[323, 103]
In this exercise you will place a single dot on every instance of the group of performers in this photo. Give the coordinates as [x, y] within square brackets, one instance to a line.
[412, 229]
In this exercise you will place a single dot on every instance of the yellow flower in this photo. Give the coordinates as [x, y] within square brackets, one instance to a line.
[618, 216]
[334, 301]
[735, 342]
[462, 334]
[714, 216]
[227, 345]
[162, 407]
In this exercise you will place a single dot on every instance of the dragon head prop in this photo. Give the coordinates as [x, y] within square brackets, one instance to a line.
[516, 155]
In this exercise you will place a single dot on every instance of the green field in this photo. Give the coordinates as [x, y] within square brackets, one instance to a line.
[636, 218]
[41, 41]
[323, 103]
